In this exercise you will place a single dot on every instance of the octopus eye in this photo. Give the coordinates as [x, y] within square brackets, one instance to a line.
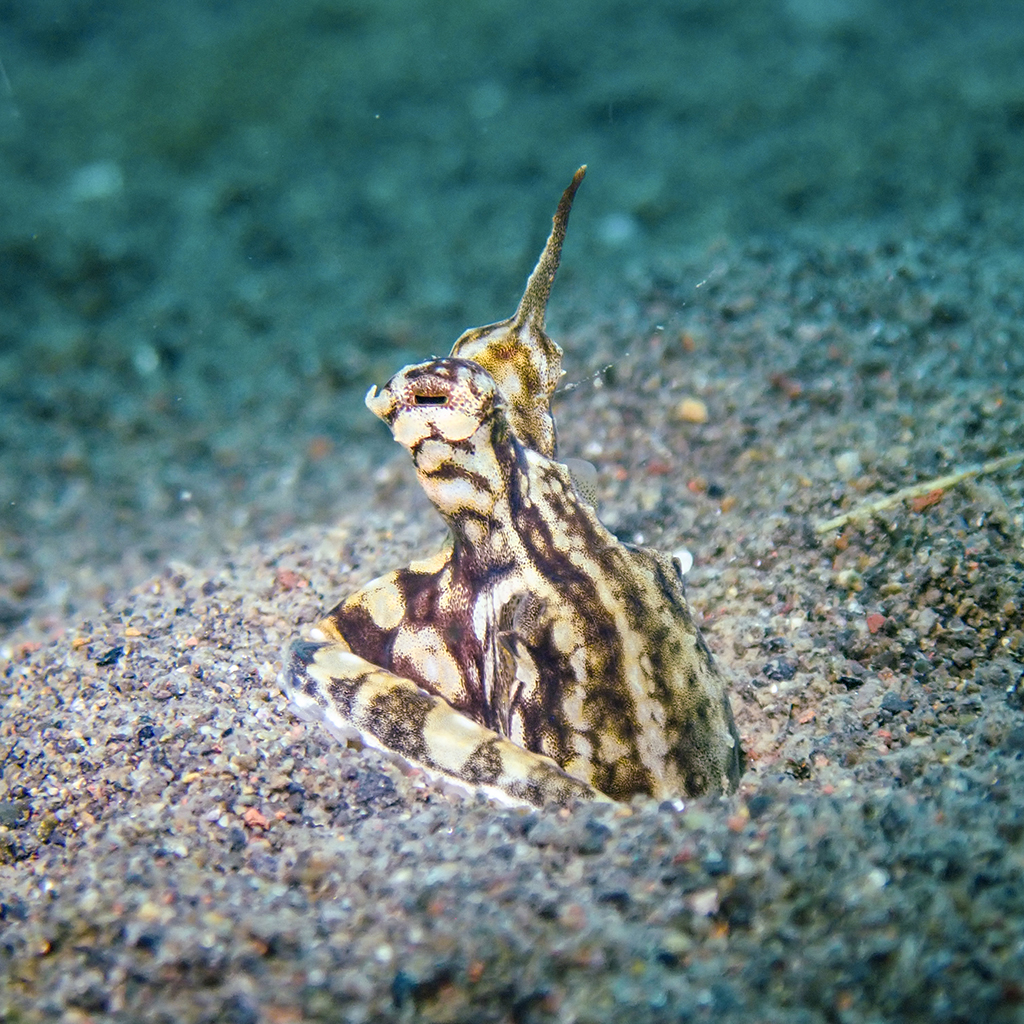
[431, 399]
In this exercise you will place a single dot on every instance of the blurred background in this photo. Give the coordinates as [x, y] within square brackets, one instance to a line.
[221, 221]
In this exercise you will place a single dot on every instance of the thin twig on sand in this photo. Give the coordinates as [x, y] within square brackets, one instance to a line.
[937, 486]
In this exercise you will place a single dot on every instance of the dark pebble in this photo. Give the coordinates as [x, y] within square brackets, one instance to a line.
[618, 898]
[758, 804]
[111, 657]
[779, 669]
[13, 813]
[893, 703]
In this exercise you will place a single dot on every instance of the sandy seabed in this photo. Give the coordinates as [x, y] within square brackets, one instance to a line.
[176, 846]
[793, 285]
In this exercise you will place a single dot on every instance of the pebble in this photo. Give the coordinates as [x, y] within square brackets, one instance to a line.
[848, 465]
[690, 410]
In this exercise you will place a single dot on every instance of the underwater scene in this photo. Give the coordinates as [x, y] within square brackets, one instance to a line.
[673, 671]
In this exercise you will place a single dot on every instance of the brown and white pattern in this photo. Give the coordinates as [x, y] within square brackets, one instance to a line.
[535, 656]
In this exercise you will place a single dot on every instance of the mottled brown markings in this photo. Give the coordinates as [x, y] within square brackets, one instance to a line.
[452, 471]
[450, 371]
[435, 435]
[486, 568]
[344, 692]
[310, 689]
[595, 661]
[468, 445]
[541, 714]
[484, 766]
[531, 793]
[544, 725]
[420, 596]
[608, 708]
[363, 635]
[445, 368]
[671, 680]
[597, 633]
[398, 718]
[618, 565]
[303, 653]
[560, 505]
[624, 777]
[691, 754]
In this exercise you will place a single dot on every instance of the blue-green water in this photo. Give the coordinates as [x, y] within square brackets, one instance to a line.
[220, 221]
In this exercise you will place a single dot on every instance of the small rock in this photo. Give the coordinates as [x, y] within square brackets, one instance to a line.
[13, 813]
[779, 669]
[758, 803]
[848, 465]
[893, 703]
[690, 410]
[962, 656]
[110, 657]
